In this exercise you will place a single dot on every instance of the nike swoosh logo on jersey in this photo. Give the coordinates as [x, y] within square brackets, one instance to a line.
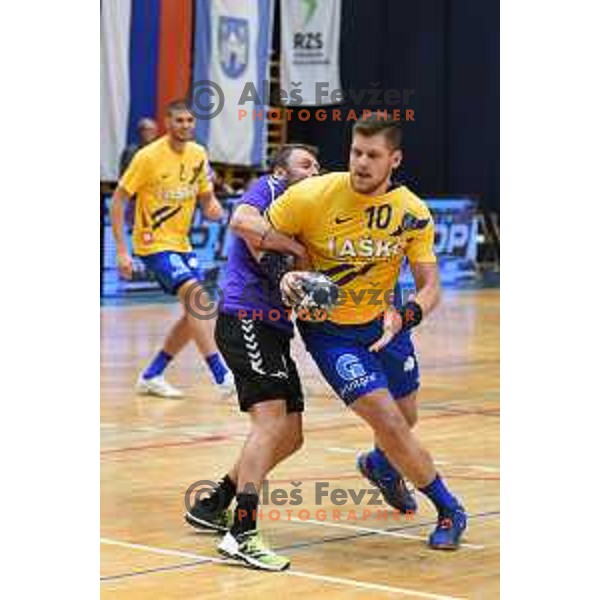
[340, 220]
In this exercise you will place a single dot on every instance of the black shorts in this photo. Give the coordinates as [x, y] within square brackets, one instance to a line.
[259, 357]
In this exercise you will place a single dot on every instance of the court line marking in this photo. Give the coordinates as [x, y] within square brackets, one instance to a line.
[163, 551]
[484, 468]
[357, 475]
[384, 532]
[129, 574]
[354, 451]
[303, 574]
[228, 437]
[355, 536]
[322, 416]
[372, 586]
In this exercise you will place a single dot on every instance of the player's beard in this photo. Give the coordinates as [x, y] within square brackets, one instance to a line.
[368, 186]
[292, 179]
[183, 136]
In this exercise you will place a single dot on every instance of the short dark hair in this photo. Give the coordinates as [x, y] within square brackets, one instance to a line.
[144, 122]
[376, 123]
[281, 156]
[176, 105]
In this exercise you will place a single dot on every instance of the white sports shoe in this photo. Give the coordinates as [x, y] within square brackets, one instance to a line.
[249, 548]
[227, 387]
[157, 386]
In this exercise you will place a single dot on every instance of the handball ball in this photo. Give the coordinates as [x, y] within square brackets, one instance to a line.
[320, 294]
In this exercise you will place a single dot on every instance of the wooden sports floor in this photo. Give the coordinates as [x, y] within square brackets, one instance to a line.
[152, 450]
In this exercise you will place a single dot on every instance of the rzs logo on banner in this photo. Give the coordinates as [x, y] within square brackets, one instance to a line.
[310, 43]
[233, 45]
[311, 40]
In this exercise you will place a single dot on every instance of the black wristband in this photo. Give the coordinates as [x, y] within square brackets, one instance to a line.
[412, 315]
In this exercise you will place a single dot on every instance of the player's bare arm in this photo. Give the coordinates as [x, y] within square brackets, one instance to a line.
[210, 206]
[427, 282]
[117, 218]
[248, 223]
[429, 291]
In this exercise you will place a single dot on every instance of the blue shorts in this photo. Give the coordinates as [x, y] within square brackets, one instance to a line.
[172, 269]
[343, 357]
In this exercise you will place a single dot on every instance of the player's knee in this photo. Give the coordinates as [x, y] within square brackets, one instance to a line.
[411, 418]
[292, 439]
[393, 428]
[408, 407]
[384, 416]
[274, 431]
[184, 289]
[297, 441]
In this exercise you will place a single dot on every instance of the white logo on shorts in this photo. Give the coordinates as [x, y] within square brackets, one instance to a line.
[349, 367]
[252, 347]
[409, 363]
[179, 267]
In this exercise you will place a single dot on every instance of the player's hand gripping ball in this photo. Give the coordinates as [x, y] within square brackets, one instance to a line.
[311, 295]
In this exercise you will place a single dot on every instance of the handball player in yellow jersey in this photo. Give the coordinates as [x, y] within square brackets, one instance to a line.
[357, 228]
[169, 178]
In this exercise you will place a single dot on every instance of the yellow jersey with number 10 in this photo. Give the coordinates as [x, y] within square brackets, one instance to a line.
[166, 184]
[359, 241]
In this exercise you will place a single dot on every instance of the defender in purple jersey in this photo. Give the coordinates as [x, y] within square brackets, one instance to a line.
[246, 289]
[253, 333]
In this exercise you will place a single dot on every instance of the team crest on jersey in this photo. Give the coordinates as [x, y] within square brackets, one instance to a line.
[147, 237]
[233, 45]
[410, 223]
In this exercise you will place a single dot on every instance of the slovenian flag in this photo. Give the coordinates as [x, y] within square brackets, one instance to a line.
[148, 48]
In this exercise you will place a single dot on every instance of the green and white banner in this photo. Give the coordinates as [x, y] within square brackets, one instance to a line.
[310, 50]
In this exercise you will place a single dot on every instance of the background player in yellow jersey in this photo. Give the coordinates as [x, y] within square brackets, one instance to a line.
[170, 177]
[357, 228]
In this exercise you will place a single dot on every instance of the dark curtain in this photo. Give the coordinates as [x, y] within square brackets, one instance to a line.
[448, 52]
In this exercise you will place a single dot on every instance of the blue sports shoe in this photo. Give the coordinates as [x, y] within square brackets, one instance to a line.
[390, 483]
[450, 527]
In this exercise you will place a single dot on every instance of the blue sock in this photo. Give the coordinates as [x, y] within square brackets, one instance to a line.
[441, 497]
[158, 365]
[218, 369]
[380, 462]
